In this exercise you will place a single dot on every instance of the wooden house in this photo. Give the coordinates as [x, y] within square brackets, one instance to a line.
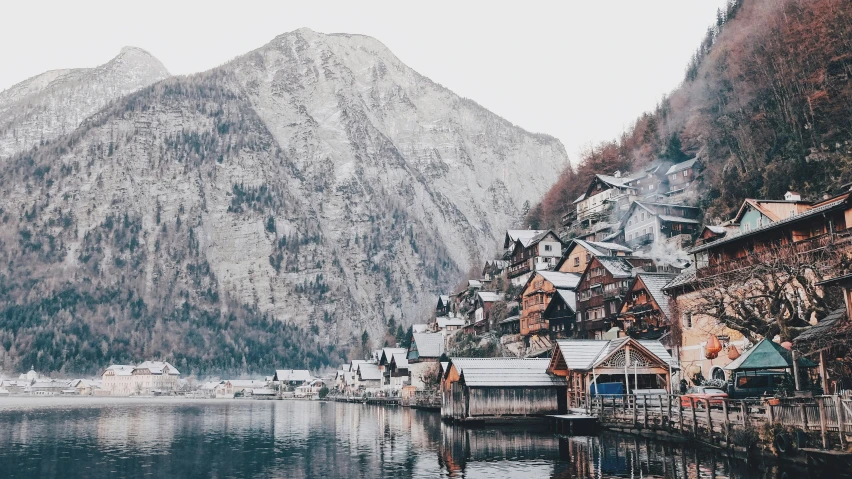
[385, 360]
[443, 307]
[579, 253]
[536, 295]
[482, 304]
[602, 287]
[649, 224]
[398, 371]
[368, 375]
[645, 312]
[560, 313]
[681, 175]
[604, 198]
[423, 355]
[634, 363]
[494, 269]
[537, 253]
[489, 388]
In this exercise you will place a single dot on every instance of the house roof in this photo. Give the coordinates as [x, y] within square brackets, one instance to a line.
[294, 374]
[836, 203]
[719, 230]
[400, 360]
[822, 328]
[419, 328]
[489, 296]
[499, 364]
[247, 383]
[158, 367]
[429, 345]
[580, 198]
[444, 322]
[767, 355]
[560, 280]
[586, 354]
[473, 283]
[511, 319]
[678, 219]
[515, 235]
[654, 284]
[444, 299]
[616, 266]
[537, 238]
[120, 369]
[569, 297]
[369, 372]
[685, 277]
[511, 378]
[681, 166]
[387, 354]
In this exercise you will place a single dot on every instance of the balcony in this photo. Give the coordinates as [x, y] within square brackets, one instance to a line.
[641, 240]
[615, 293]
[519, 268]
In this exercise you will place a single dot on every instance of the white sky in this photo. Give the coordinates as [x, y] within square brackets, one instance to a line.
[580, 71]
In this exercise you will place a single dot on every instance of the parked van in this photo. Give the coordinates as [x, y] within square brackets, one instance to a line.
[752, 384]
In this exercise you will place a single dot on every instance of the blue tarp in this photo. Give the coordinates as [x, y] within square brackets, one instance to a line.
[606, 389]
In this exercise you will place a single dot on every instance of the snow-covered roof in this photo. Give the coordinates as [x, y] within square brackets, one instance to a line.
[429, 345]
[569, 297]
[489, 296]
[387, 354]
[419, 328]
[159, 367]
[585, 354]
[473, 283]
[294, 374]
[719, 230]
[499, 364]
[247, 383]
[400, 360]
[561, 280]
[618, 267]
[443, 322]
[678, 219]
[681, 166]
[654, 284]
[369, 372]
[120, 369]
[685, 277]
[505, 372]
[515, 235]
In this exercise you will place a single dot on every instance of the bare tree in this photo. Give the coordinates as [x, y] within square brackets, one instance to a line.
[771, 292]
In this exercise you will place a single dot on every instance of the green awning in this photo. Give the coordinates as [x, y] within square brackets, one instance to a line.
[767, 355]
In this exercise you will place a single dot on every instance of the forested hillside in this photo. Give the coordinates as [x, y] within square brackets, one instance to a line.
[765, 105]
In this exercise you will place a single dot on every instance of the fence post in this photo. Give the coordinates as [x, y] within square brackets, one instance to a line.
[727, 424]
[709, 421]
[804, 417]
[680, 412]
[669, 410]
[821, 406]
[744, 407]
[635, 405]
[645, 410]
[694, 417]
[838, 403]
[770, 415]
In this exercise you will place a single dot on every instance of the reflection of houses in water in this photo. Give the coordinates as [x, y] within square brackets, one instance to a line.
[145, 430]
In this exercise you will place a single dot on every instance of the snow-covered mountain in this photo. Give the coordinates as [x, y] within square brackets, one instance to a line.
[316, 182]
[56, 102]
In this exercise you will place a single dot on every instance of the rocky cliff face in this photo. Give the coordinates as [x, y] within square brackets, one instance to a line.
[316, 183]
[54, 103]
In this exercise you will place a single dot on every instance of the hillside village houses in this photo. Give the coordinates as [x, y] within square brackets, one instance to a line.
[623, 277]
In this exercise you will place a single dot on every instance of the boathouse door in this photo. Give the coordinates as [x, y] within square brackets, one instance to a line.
[562, 400]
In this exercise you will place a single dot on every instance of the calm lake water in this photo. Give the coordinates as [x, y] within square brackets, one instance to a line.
[179, 438]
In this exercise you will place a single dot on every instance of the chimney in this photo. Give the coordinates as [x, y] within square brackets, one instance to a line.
[617, 174]
[792, 196]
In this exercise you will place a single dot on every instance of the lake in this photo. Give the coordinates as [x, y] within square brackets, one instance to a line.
[182, 438]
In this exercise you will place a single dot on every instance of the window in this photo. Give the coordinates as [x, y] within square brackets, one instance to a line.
[687, 320]
[673, 177]
[650, 187]
[548, 247]
[588, 257]
[576, 261]
[685, 173]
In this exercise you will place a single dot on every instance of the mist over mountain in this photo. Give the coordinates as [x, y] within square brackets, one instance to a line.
[264, 213]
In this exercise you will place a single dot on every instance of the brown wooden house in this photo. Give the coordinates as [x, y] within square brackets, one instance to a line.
[537, 253]
[602, 287]
[579, 253]
[645, 312]
[560, 313]
[537, 294]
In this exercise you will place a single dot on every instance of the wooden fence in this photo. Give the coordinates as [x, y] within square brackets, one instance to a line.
[715, 421]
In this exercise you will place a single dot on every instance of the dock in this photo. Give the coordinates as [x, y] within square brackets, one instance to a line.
[575, 424]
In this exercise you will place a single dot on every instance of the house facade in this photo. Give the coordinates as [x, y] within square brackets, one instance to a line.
[579, 253]
[601, 289]
[649, 224]
[539, 253]
[149, 377]
[536, 296]
[645, 312]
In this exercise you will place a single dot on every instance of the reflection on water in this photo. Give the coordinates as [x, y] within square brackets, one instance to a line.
[91, 438]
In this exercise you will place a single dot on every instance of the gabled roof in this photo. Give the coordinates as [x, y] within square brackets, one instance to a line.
[419, 328]
[654, 284]
[756, 205]
[159, 367]
[474, 283]
[445, 321]
[685, 277]
[387, 354]
[616, 266]
[369, 372]
[837, 202]
[596, 248]
[400, 360]
[515, 235]
[499, 364]
[559, 280]
[511, 378]
[767, 355]
[293, 374]
[681, 166]
[428, 345]
[537, 238]
[719, 230]
[823, 328]
[587, 354]
[569, 297]
[120, 369]
[443, 300]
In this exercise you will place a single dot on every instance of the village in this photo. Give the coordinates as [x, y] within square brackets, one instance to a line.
[636, 300]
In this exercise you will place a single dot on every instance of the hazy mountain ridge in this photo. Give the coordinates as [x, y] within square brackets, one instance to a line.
[54, 103]
[317, 181]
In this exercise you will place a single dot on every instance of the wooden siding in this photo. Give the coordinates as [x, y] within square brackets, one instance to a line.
[461, 402]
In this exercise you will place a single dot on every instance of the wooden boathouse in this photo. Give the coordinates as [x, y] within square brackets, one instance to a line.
[495, 389]
[588, 363]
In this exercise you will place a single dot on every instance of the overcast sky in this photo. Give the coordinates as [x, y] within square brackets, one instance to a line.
[580, 71]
